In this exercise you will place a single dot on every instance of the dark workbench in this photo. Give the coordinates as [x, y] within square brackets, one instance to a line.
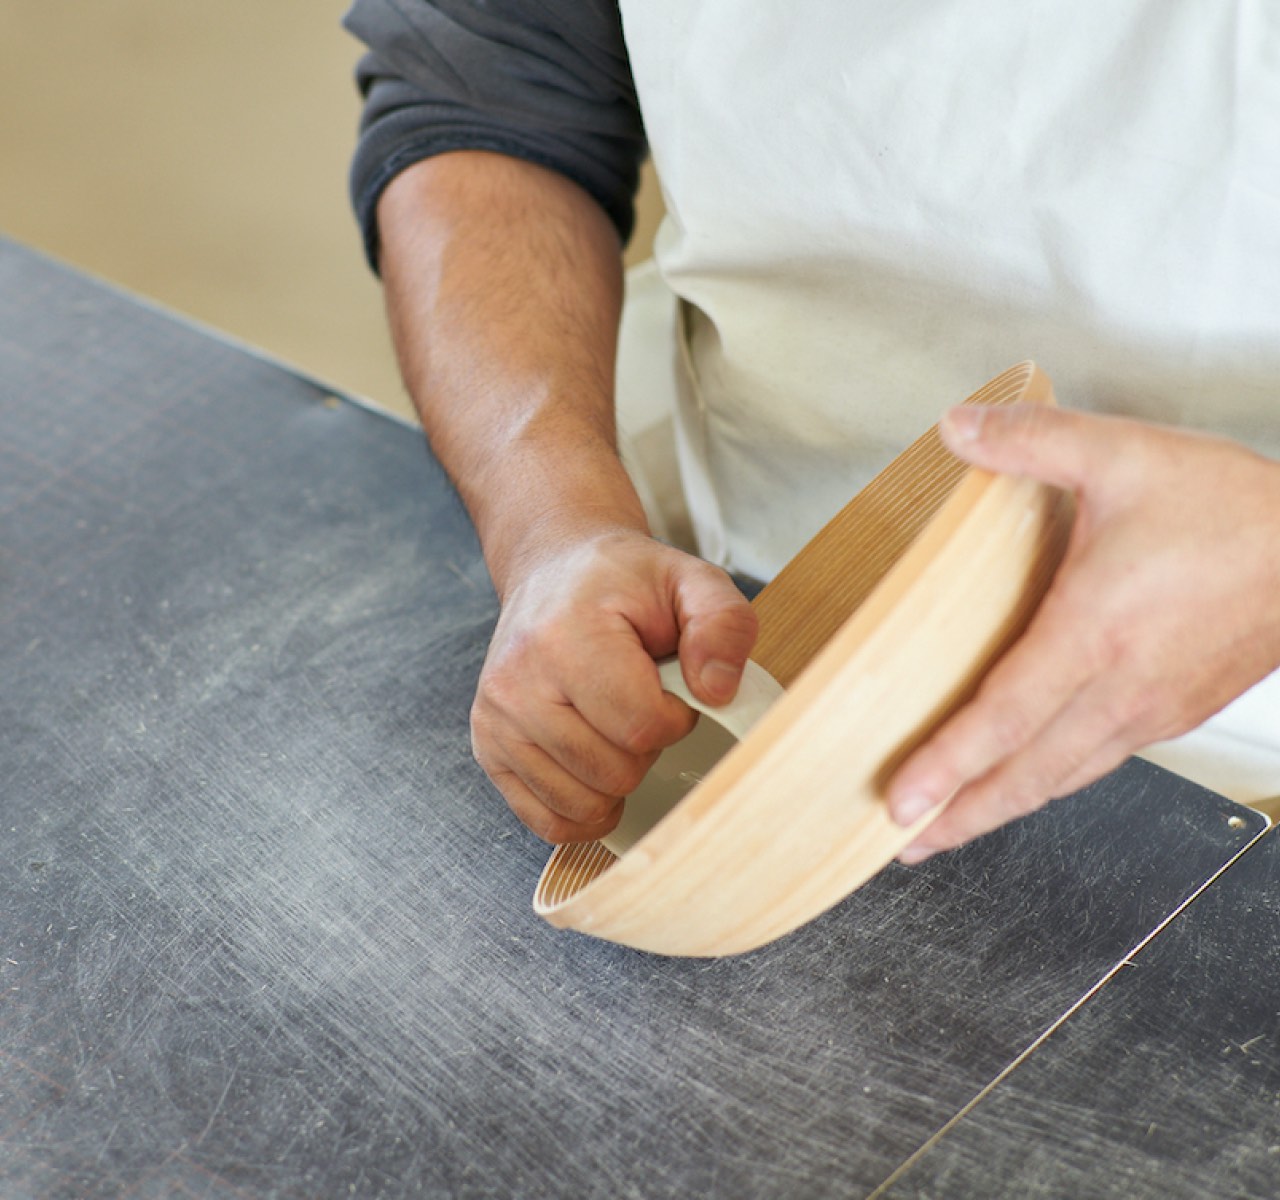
[267, 930]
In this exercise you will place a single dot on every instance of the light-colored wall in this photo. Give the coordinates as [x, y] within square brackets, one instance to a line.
[197, 154]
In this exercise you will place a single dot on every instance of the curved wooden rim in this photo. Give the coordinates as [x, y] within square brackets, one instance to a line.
[839, 604]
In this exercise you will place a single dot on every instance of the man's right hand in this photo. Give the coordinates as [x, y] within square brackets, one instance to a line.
[504, 287]
[569, 713]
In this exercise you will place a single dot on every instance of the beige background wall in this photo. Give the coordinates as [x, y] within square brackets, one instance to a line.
[197, 154]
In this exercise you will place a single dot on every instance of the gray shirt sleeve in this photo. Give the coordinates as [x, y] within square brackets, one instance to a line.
[546, 81]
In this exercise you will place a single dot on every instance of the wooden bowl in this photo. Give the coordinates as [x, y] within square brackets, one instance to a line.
[878, 629]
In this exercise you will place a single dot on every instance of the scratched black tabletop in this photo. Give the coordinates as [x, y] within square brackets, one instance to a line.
[1165, 1087]
[267, 930]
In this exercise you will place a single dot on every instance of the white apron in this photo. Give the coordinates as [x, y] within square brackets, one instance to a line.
[874, 208]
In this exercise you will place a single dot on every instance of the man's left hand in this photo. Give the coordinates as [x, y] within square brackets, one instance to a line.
[1165, 608]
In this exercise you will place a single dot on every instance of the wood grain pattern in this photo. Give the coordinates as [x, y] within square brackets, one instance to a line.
[819, 589]
[879, 628]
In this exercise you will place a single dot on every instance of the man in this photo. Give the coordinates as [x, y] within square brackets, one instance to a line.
[871, 210]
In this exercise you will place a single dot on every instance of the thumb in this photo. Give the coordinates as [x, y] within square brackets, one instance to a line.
[1056, 447]
[718, 627]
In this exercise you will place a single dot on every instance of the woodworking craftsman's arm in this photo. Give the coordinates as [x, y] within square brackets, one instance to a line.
[1166, 608]
[503, 284]
[493, 181]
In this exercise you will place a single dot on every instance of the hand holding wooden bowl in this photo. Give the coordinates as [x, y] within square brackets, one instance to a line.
[878, 630]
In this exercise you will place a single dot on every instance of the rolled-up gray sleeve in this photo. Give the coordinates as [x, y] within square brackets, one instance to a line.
[546, 81]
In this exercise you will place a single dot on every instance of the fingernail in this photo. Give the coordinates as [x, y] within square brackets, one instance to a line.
[909, 808]
[914, 855]
[964, 423]
[719, 679]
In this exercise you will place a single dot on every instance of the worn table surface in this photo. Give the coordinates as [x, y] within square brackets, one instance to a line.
[1166, 1086]
[267, 930]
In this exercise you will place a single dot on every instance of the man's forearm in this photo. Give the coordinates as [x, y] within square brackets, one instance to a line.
[504, 285]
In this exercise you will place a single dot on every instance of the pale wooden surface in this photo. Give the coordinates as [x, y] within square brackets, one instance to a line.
[793, 818]
[817, 591]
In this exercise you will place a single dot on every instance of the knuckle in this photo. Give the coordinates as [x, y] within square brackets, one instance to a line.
[638, 741]
[481, 721]
[499, 690]
[1110, 648]
[724, 607]
[552, 641]
[1020, 800]
[542, 821]
[531, 814]
[1101, 650]
[575, 803]
[649, 733]
[598, 772]
[738, 619]
[600, 815]
[1122, 711]
[554, 813]
[642, 735]
[548, 826]
[608, 818]
[485, 740]
[622, 778]
[586, 827]
[480, 749]
[1134, 709]
[1008, 728]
